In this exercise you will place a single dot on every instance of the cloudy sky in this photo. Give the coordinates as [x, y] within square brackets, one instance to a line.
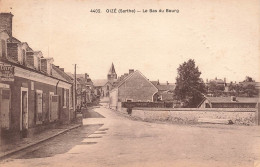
[222, 36]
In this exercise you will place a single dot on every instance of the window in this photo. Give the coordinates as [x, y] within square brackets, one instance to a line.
[129, 100]
[39, 106]
[64, 98]
[70, 97]
[23, 57]
[3, 45]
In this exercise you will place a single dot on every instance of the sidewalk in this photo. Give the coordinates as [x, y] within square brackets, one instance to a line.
[9, 149]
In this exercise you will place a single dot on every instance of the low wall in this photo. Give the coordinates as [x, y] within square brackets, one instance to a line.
[239, 116]
[147, 104]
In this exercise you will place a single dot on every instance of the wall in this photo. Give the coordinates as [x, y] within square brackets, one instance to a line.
[191, 116]
[136, 88]
[113, 99]
[148, 104]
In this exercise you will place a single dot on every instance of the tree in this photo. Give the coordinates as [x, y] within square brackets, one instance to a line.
[190, 88]
[250, 90]
[215, 88]
[249, 79]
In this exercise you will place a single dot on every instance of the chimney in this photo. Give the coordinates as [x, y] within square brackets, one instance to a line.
[62, 69]
[131, 71]
[224, 80]
[86, 76]
[6, 20]
[167, 83]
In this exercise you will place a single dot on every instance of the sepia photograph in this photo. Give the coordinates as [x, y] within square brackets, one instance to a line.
[129, 83]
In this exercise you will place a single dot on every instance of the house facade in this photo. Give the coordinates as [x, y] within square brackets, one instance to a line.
[34, 94]
[134, 87]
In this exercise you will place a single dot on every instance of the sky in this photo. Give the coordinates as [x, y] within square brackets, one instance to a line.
[221, 36]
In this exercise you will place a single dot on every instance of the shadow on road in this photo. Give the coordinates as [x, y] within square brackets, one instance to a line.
[62, 143]
[90, 113]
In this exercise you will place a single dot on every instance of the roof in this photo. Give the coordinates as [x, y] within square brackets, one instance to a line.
[99, 82]
[13, 40]
[256, 84]
[217, 80]
[228, 99]
[119, 83]
[57, 73]
[164, 86]
[169, 87]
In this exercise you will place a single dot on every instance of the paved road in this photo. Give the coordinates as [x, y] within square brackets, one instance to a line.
[118, 141]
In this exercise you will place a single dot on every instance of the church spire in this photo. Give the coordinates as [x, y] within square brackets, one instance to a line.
[112, 73]
[112, 69]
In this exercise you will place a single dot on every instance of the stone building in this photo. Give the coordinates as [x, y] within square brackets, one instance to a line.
[133, 87]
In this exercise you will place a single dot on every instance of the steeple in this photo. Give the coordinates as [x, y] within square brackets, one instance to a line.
[112, 73]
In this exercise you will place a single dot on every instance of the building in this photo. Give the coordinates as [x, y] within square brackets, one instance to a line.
[133, 87]
[229, 102]
[104, 86]
[34, 93]
[85, 89]
[165, 91]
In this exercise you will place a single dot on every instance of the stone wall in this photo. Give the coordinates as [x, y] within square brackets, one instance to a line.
[190, 116]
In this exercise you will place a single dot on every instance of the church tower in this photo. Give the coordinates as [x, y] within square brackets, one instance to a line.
[112, 73]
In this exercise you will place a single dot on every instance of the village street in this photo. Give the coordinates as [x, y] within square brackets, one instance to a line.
[110, 139]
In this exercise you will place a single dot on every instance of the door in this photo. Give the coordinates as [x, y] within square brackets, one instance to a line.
[24, 109]
[39, 107]
[54, 114]
[5, 98]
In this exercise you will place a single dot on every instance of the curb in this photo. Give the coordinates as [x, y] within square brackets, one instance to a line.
[12, 152]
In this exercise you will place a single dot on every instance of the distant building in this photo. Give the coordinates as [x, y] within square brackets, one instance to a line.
[228, 102]
[85, 89]
[165, 91]
[132, 87]
[103, 86]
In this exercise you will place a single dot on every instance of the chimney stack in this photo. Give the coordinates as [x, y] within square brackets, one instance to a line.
[86, 76]
[6, 20]
[167, 82]
[131, 71]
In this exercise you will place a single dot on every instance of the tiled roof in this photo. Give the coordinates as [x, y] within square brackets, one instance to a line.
[99, 82]
[13, 40]
[217, 80]
[164, 86]
[228, 100]
[57, 73]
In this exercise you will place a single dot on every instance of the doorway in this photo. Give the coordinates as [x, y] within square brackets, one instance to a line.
[24, 112]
